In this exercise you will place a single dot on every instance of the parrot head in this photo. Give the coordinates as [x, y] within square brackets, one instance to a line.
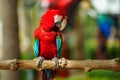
[53, 20]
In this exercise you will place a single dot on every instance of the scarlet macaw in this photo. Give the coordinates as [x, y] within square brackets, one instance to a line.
[48, 39]
[65, 5]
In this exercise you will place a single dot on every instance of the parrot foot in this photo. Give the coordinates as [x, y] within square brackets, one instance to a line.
[56, 62]
[40, 60]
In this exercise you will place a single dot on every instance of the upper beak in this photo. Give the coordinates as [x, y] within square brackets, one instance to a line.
[63, 24]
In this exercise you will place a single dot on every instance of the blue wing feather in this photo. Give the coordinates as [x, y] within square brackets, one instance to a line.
[59, 45]
[105, 23]
[36, 47]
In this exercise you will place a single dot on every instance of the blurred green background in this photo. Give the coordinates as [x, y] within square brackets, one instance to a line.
[83, 38]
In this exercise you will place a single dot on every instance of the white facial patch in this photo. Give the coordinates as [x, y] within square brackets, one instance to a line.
[57, 18]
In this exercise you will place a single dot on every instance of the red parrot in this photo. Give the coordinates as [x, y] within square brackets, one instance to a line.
[65, 5]
[48, 39]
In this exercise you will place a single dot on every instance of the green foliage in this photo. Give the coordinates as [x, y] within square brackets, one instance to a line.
[27, 74]
[0, 74]
[103, 75]
[113, 52]
[90, 47]
[28, 55]
[94, 75]
[90, 31]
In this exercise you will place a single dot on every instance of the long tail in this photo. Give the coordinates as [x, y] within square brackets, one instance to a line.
[48, 74]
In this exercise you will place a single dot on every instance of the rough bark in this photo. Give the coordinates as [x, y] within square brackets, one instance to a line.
[87, 65]
[10, 36]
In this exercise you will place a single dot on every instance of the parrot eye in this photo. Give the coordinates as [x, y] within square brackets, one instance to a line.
[58, 24]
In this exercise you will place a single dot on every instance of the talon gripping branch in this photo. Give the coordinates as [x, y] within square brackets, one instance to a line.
[48, 39]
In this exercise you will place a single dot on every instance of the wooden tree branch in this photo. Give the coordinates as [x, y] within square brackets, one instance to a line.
[63, 63]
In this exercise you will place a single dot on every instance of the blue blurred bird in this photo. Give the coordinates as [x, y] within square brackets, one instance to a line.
[105, 23]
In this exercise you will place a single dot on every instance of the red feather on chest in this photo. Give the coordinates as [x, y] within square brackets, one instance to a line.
[48, 48]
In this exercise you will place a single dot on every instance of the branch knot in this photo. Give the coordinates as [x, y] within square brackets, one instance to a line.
[117, 61]
[62, 62]
[88, 69]
[14, 65]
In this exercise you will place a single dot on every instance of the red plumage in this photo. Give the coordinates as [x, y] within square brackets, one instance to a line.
[47, 33]
[64, 5]
[47, 20]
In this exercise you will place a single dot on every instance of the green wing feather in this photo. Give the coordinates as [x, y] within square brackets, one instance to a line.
[59, 44]
[36, 46]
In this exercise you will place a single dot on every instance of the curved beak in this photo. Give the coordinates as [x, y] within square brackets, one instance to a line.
[63, 24]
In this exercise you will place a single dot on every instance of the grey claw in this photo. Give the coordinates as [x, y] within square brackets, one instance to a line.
[56, 61]
[41, 59]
